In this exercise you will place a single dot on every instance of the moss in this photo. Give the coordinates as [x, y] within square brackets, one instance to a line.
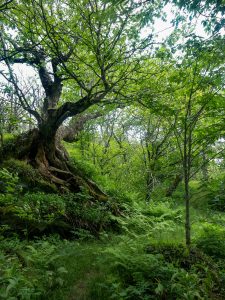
[29, 177]
[45, 186]
[25, 171]
[7, 148]
[18, 146]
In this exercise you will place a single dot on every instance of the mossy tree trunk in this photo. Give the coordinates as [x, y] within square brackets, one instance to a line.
[46, 154]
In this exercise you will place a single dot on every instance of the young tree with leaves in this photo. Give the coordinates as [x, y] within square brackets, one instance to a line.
[198, 95]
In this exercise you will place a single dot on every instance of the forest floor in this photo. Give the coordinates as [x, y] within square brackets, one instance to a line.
[89, 264]
[146, 259]
[122, 249]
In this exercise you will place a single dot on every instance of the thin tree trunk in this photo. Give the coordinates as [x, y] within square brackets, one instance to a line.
[187, 213]
[1, 138]
[187, 168]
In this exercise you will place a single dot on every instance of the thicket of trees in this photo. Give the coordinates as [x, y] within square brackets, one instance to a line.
[105, 117]
[91, 56]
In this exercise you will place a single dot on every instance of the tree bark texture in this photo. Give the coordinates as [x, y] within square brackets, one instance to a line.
[45, 153]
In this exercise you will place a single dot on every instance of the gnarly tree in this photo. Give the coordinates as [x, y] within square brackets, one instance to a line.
[84, 52]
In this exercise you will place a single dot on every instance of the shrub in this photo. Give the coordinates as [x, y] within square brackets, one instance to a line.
[27, 270]
[87, 214]
[163, 211]
[23, 169]
[9, 182]
[35, 214]
[29, 177]
[211, 194]
[38, 206]
[137, 274]
[32, 214]
[84, 168]
[216, 193]
[212, 241]
[41, 206]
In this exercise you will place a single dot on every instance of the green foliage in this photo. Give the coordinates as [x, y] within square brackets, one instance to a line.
[139, 264]
[164, 211]
[7, 148]
[152, 220]
[8, 137]
[36, 206]
[175, 129]
[42, 206]
[70, 214]
[165, 271]
[27, 270]
[87, 168]
[83, 166]
[23, 169]
[8, 182]
[87, 214]
[216, 193]
[29, 177]
[212, 241]
[31, 214]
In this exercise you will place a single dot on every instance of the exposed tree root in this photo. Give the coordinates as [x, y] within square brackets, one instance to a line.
[51, 159]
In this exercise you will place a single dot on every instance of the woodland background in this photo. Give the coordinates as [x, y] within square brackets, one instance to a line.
[112, 170]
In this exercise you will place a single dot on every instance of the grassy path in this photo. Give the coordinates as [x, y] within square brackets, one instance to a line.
[84, 270]
[88, 263]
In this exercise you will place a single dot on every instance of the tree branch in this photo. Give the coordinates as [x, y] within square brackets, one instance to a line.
[4, 6]
[70, 109]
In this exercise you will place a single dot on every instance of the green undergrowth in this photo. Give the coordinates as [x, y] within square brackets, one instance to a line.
[141, 264]
[28, 269]
[139, 267]
[70, 215]
[69, 246]
[138, 263]
[29, 179]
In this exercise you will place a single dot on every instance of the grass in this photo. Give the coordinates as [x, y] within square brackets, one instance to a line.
[84, 268]
[88, 263]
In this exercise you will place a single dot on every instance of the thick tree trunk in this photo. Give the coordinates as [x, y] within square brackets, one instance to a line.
[44, 152]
